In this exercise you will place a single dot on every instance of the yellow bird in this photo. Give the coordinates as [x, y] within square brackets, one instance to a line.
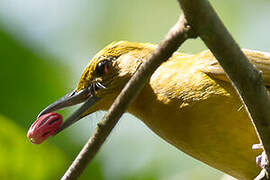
[188, 101]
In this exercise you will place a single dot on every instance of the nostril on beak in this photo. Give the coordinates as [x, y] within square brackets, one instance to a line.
[72, 93]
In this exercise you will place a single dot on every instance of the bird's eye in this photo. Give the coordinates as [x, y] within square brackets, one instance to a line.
[102, 67]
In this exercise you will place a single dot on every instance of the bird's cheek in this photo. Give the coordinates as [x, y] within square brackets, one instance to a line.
[99, 94]
[103, 93]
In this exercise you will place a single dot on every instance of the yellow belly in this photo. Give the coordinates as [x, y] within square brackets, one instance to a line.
[200, 116]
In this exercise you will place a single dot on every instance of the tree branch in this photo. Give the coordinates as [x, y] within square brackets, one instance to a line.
[175, 37]
[245, 77]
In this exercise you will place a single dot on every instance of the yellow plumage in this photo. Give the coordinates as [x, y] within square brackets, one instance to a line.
[188, 101]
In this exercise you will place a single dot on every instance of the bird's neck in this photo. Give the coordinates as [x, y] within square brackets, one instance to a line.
[151, 110]
[142, 105]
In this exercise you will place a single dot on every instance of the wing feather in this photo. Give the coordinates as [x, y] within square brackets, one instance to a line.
[261, 60]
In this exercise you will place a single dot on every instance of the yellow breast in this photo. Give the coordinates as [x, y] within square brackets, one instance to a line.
[199, 115]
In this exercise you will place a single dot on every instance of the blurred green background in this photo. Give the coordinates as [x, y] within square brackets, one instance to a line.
[44, 46]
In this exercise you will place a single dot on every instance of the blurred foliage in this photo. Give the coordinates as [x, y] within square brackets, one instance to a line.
[30, 82]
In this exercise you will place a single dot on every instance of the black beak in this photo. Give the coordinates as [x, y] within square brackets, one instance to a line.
[71, 99]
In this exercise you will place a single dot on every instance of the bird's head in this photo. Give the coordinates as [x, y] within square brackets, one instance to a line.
[103, 79]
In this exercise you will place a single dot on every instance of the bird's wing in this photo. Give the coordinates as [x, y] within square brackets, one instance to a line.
[261, 60]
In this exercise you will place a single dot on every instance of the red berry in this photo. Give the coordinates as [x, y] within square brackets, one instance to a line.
[43, 127]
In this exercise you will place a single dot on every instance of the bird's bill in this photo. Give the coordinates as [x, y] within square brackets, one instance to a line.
[71, 99]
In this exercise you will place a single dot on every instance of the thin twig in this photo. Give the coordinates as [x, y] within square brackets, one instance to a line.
[175, 37]
[246, 79]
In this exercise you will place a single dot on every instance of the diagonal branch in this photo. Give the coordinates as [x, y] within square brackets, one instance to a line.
[245, 78]
[175, 37]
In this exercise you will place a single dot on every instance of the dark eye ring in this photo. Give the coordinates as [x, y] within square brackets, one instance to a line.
[102, 67]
